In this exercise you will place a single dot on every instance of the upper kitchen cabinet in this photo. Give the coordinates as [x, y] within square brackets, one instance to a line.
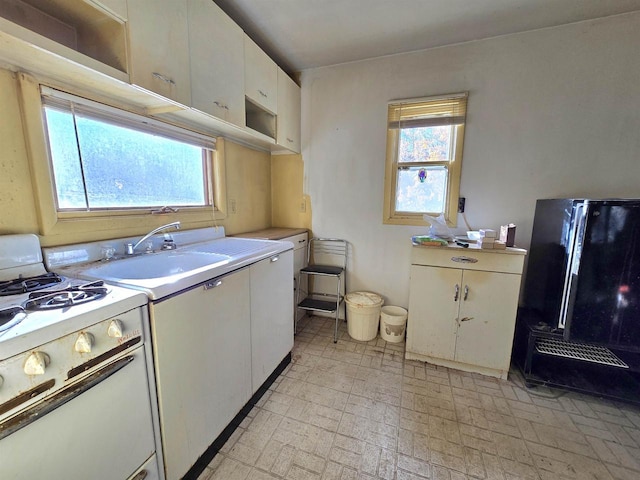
[216, 46]
[261, 77]
[288, 119]
[261, 89]
[117, 8]
[159, 48]
[57, 36]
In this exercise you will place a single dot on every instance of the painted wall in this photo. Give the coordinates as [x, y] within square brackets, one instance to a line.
[290, 206]
[551, 113]
[248, 174]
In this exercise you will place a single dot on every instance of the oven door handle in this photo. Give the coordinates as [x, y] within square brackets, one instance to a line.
[38, 411]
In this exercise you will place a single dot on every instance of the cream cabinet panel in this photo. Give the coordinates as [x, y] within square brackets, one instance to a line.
[261, 76]
[300, 243]
[488, 304]
[288, 118]
[271, 315]
[114, 7]
[159, 47]
[433, 326]
[459, 315]
[216, 46]
[202, 355]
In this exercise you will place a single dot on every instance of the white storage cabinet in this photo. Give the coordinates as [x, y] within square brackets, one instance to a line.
[159, 48]
[271, 314]
[216, 45]
[288, 118]
[462, 307]
[202, 353]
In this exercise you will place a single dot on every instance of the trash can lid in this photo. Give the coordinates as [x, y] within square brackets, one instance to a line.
[364, 299]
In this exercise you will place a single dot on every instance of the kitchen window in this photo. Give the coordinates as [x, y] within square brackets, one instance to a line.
[105, 158]
[101, 171]
[424, 158]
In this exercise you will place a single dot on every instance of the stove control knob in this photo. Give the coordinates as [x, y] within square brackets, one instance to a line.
[36, 363]
[115, 329]
[84, 342]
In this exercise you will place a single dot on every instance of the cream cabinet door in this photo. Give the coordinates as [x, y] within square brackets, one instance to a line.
[202, 356]
[433, 311]
[488, 307]
[288, 119]
[271, 315]
[216, 46]
[159, 48]
[260, 76]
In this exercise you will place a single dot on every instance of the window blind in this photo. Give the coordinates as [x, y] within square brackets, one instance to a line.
[99, 111]
[428, 112]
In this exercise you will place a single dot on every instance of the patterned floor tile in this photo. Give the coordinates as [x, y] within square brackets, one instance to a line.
[358, 411]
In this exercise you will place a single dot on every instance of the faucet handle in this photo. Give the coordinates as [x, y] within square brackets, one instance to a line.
[128, 249]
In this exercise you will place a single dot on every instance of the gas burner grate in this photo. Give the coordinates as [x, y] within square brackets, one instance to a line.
[29, 284]
[67, 297]
[579, 351]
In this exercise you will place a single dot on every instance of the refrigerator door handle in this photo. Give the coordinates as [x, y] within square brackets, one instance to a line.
[573, 263]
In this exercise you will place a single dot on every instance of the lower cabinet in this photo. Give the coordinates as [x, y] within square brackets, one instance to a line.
[271, 314]
[462, 308]
[202, 354]
[300, 244]
[214, 345]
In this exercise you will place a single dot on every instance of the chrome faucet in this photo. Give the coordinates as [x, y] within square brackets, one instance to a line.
[130, 247]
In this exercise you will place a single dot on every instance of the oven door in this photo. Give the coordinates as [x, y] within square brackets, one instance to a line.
[98, 428]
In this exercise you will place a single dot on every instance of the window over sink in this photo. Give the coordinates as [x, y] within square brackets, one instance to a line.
[105, 158]
[100, 171]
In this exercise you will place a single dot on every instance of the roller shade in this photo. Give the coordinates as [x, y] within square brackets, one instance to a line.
[432, 112]
[99, 111]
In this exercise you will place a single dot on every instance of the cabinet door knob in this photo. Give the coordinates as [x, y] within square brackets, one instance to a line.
[456, 293]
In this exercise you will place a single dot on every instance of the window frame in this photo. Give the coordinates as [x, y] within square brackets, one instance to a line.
[57, 227]
[454, 168]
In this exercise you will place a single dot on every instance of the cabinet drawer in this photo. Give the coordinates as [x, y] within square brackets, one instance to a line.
[299, 241]
[468, 259]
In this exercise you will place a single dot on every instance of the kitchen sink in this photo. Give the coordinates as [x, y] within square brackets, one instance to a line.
[201, 255]
[155, 266]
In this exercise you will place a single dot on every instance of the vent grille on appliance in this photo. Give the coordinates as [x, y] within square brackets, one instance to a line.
[579, 351]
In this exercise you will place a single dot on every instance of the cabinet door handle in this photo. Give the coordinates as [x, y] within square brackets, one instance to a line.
[275, 259]
[262, 93]
[466, 319]
[301, 241]
[164, 78]
[463, 259]
[466, 292]
[213, 284]
[220, 105]
[457, 293]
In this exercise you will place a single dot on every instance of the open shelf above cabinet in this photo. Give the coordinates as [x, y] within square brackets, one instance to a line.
[71, 28]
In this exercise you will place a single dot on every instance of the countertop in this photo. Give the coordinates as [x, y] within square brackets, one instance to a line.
[274, 233]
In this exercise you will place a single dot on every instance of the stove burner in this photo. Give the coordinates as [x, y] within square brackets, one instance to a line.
[67, 297]
[8, 317]
[29, 284]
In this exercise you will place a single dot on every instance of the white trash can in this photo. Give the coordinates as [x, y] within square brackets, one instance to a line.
[363, 315]
[393, 322]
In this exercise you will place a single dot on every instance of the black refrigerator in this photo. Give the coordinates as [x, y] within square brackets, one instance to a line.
[583, 271]
[578, 324]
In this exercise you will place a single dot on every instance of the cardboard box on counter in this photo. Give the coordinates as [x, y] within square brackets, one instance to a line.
[487, 233]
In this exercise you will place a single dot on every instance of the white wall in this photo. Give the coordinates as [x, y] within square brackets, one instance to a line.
[551, 113]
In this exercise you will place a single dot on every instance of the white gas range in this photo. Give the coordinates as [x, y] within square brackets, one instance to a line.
[75, 398]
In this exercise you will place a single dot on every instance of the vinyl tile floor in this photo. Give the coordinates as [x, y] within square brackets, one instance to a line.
[358, 410]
